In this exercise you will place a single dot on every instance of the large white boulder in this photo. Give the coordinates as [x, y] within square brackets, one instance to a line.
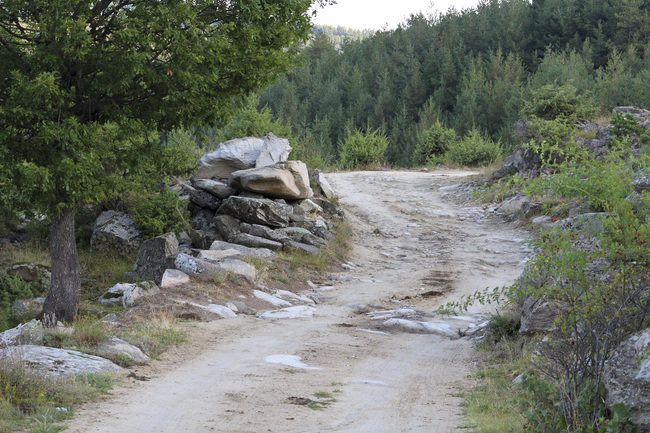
[242, 154]
[288, 180]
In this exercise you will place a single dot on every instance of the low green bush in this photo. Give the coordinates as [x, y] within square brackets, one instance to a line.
[158, 213]
[474, 151]
[553, 102]
[433, 143]
[625, 125]
[551, 140]
[11, 290]
[361, 149]
[502, 327]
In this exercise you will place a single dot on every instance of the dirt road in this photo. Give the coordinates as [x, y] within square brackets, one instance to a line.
[415, 248]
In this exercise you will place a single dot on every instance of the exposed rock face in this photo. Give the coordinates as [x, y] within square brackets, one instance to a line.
[263, 232]
[310, 207]
[220, 311]
[299, 234]
[218, 255]
[202, 219]
[217, 188]
[642, 116]
[299, 246]
[155, 256]
[202, 239]
[288, 180]
[297, 312]
[115, 232]
[238, 269]
[627, 377]
[332, 210]
[417, 327]
[242, 154]
[114, 348]
[59, 362]
[257, 211]
[127, 293]
[261, 253]
[642, 182]
[25, 333]
[319, 228]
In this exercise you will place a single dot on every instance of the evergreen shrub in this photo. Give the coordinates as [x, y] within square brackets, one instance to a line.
[362, 149]
[474, 151]
[553, 102]
[433, 143]
[158, 213]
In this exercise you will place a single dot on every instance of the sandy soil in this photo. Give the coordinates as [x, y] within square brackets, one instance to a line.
[412, 239]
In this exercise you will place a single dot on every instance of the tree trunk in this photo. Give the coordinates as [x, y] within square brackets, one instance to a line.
[61, 302]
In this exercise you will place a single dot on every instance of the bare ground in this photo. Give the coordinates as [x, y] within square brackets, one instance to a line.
[415, 245]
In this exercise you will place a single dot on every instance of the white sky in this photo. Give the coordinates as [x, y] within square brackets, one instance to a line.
[376, 14]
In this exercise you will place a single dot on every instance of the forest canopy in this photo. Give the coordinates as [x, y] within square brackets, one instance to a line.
[470, 69]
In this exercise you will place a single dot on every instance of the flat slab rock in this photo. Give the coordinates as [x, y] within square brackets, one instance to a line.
[59, 362]
[273, 300]
[297, 312]
[260, 253]
[219, 310]
[413, 327]
[232, 268]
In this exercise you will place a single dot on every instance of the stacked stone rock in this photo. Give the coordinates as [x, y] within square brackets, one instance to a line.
[246, 199]
[257, 198]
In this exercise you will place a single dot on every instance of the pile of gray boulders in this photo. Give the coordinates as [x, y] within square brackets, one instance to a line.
[247, 199]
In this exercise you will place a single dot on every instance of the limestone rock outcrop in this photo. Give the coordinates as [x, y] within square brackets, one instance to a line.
[242, 154]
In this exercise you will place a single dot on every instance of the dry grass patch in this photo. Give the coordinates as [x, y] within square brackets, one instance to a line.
[32, 401]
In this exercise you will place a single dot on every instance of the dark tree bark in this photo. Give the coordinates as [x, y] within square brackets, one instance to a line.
[61, 302]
